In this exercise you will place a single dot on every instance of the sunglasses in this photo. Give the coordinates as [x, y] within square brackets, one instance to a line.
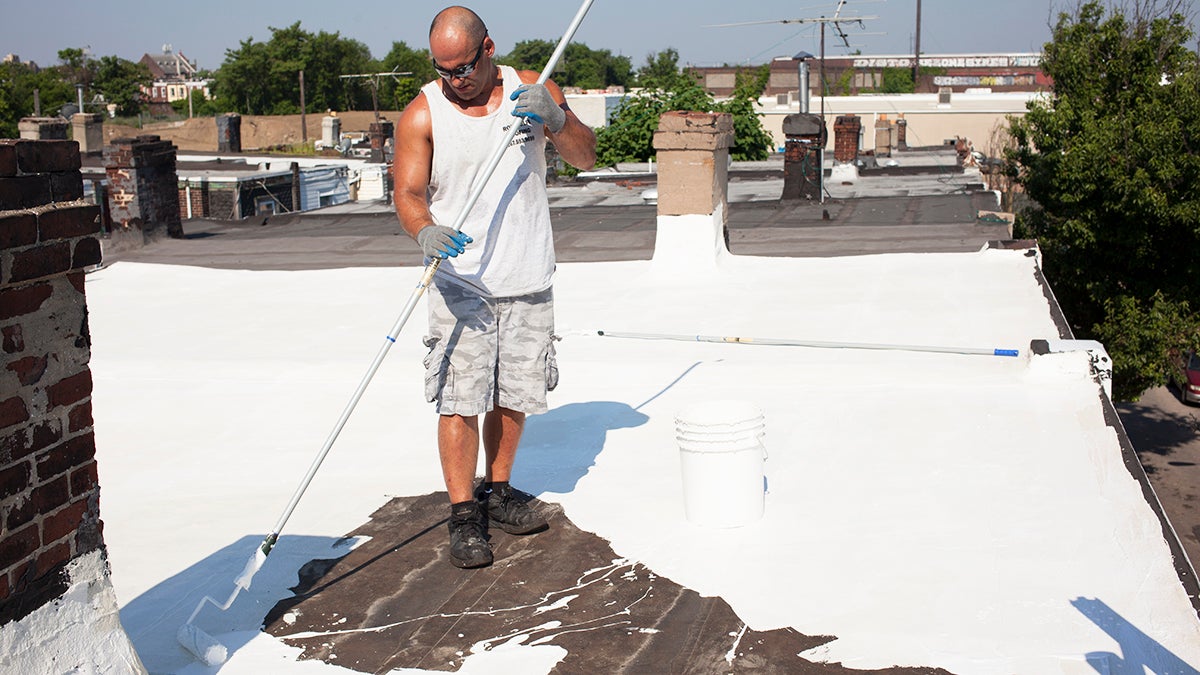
[461, 71]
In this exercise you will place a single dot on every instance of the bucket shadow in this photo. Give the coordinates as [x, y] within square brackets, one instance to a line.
[559, 447]
[1139, 652]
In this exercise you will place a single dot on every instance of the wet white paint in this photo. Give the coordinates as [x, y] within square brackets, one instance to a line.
[964, 512]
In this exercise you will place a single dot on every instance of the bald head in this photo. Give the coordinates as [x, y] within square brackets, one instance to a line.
[460, 22]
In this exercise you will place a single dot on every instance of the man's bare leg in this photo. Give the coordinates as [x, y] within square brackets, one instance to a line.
[506, 508]
[502, 430]
[458, 446]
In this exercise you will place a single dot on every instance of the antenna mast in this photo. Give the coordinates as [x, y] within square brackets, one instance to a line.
[373, 80]
[836, 21]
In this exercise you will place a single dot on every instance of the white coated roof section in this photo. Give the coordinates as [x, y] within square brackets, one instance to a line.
[958, 511]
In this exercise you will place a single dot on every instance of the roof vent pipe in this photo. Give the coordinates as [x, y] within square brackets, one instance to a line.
[803, 58]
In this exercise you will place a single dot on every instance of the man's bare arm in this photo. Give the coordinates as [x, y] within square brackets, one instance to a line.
[575, 141]
[413, 165]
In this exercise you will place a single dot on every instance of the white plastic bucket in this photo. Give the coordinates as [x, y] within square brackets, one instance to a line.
[721, 457]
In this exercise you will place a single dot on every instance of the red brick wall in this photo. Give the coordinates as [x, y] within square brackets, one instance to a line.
[49, 491]
[845, 137]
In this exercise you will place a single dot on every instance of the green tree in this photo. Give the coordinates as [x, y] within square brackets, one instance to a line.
[202, 106]
[17, 84]
[530, 55]
[580, 66]
[661, 70]
[120, 81]
[242, 83]
[76, 67]
[405, 59]
[897, 81]
[629, 136]
[1111, 159]
[263, 78]
[751, 141]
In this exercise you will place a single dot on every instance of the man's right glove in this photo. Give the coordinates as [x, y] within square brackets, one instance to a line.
[439, 241]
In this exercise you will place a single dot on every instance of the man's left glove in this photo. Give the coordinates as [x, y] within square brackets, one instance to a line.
[439, 241]
[535, 102]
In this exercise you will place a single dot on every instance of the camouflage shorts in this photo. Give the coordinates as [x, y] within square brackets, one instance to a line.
[489, 352]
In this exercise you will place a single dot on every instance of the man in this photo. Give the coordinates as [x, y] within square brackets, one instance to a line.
[491, 319]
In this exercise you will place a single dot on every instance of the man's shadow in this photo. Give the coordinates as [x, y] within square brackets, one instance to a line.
[559, 447]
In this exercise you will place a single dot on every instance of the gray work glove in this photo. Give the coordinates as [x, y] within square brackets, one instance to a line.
[535, 102]
[439, 241]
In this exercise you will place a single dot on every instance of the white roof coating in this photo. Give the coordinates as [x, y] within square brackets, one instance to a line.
[958, 511]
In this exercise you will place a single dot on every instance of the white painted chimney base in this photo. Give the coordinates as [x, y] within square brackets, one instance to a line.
[79, 632]
[689, 243]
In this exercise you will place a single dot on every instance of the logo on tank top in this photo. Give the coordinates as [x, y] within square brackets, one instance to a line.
[524, 132]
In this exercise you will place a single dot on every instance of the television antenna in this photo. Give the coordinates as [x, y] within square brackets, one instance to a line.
[373, 80]
[836, 21]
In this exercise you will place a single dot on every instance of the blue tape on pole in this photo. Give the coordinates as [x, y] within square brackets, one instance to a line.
[391, 339]
[1006, 352]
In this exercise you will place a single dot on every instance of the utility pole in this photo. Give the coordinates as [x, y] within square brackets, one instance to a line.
[303, 121]
[917, 49]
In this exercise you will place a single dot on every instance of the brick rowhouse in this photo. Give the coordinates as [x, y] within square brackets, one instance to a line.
[49, 491]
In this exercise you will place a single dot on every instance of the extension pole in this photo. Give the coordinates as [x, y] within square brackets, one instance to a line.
[204, 646]
[988, 351]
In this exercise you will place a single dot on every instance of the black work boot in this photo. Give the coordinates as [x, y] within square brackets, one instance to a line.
[509, 508]
[468, 536]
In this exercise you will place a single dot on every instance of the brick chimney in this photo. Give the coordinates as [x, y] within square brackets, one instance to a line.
[229, 132]
[42, 128]
[144, 191]
[88, 130]
[802, 170]
[846, 129]
[693, 163]
[58, 612]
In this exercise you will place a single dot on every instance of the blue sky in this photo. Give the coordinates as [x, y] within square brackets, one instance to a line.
[634, 28]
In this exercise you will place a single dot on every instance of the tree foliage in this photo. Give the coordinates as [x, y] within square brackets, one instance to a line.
[1111, 159]
[629, 136]
[17, 84]
[580, 65]
[121, 82]
[117, 79]
[263, 78]
[404, 59]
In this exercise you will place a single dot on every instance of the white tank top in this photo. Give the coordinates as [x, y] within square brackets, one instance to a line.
[513, 251]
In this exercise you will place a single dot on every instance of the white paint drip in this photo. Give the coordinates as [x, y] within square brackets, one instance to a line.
[732, 653]
[586, 579]
[561, 603]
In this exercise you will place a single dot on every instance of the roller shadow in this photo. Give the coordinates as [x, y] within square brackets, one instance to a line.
[152, 618]
[1139, 652]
